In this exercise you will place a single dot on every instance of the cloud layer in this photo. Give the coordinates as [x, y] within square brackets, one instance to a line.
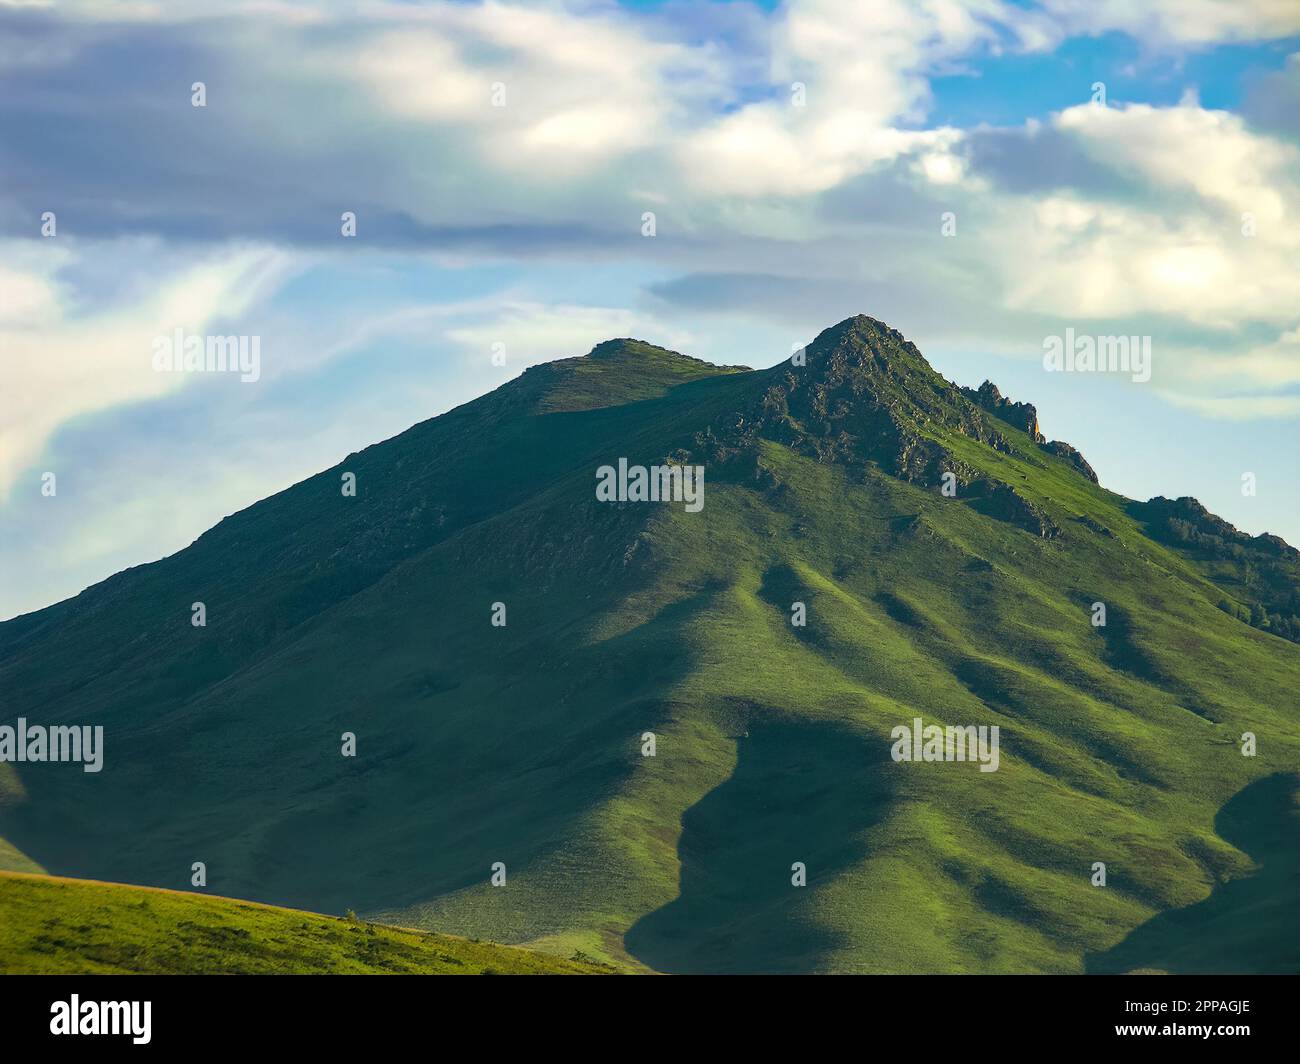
[502, 159]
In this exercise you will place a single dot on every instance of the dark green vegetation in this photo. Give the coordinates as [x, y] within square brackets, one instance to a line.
[522, 744]
[1247, 925]
[69, 926]
[1261, 572]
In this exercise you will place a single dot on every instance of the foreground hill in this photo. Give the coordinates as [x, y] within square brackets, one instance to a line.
[522, 745]
[52, 926]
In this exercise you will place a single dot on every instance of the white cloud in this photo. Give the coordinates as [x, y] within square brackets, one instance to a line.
[1180, 250]
[1179, 21]
[1187, 147]
[863, 69]
[59, 365]
[536, 332]
[1238, 408]
[1273, 365]
[571, 90]
[607, 114]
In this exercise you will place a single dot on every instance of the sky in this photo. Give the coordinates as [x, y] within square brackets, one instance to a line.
[982, 175]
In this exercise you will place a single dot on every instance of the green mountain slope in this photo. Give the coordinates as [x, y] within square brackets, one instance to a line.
[522, 744]
[52, 926]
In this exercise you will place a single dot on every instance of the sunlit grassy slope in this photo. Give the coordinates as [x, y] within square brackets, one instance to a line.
[523, 744]
[51, 926]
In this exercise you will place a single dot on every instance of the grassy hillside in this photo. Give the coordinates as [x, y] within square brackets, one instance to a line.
[52, 926]
[523, 744]
[1247, 925]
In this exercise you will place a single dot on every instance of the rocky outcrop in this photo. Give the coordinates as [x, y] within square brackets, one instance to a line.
[1002, 501]
[1063, 450]
[1263, 571]
[1023, 416]
[864, 394]
[1094, 525]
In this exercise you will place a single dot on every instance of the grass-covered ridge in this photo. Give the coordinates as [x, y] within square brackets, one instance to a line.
[52, 926]
[522, 744]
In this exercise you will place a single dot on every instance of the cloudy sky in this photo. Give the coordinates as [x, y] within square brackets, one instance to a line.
[1107, 166]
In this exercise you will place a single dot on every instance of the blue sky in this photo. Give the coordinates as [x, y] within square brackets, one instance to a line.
[798, 157]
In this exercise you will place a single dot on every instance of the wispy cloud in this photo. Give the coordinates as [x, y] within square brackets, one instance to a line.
[500, 159]
[60, 364]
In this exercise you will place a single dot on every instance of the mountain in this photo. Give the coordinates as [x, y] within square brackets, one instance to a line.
[948, 559]
[51, 926]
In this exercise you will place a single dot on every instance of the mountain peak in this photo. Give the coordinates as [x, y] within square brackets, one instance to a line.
[626, 347]
[870, 350]
[612, 373]
[861, 332]
[862, 324]
[631, 351]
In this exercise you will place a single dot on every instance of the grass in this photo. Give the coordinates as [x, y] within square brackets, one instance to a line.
[522, 744]
[1248, 925]
[54, 926]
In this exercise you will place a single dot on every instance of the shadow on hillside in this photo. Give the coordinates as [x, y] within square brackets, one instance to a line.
[1248, 925]
[450, 777]
[1124, 651]
[802, 791]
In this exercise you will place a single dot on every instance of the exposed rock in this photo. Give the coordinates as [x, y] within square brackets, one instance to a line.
[1023, 416]
[1063, 450]
[1002, 501]
[1095, 526]
[866, 395]
[863, 396]
[1262, 571]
